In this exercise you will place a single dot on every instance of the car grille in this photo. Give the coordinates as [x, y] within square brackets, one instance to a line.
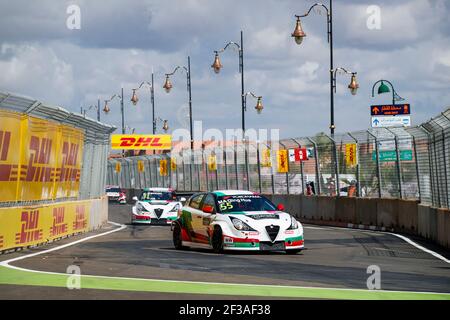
[159, 212]
[272, 246]
[162, 222]
[272, 231]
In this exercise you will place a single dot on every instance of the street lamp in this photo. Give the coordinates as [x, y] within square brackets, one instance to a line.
[383, 88]
[97, 107]
[353, 86]
[135, 98]
[217, 66]
[259, 106]
[299, 36]
[168, 87]
[165, 123]
[107, 109]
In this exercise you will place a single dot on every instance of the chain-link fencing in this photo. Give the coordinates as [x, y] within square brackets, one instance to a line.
[404, 163]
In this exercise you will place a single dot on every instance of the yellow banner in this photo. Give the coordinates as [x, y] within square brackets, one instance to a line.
[173, 164]
[163, 168]
[118, 167]
[22, 227]
[266, 160]
[283, 163]
[212, 163]
[351, 157]
[140, 165]
[141, 142]
[39, 159]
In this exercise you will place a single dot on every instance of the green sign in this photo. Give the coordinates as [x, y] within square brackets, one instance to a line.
[387, 156]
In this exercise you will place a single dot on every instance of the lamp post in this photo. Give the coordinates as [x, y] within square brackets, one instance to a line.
[217, 66]
[383, 88]
[107, 109]
[299, 36]
[353, 86]
[97, 107]
[135, 99]
[168, 87]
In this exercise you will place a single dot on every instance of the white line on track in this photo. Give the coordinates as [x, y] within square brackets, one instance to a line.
[6, 264]
[406, 239]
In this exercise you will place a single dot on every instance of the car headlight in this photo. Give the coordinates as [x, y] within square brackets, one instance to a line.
[241, 225]
[176, 208]
[294, 224]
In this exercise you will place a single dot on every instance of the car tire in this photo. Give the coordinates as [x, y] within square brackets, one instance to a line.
[217, 240]
[177, 238]
[292, 252]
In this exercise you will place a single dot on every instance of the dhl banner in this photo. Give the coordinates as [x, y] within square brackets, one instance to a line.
[27, 226]
[212, 163]
[173, 164]
[140, 165]
[163, 168]
[39, 159]
[141, 142]
[283, 163]
[266, 158]
[351, 158]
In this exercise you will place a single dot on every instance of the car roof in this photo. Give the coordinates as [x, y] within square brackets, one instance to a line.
[232, 192]
[158, 189]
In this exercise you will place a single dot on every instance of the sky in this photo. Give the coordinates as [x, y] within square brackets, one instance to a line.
[120, 43]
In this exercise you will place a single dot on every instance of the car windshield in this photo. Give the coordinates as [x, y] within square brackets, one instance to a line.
[113, 190]
[239, 203]
[151, 195]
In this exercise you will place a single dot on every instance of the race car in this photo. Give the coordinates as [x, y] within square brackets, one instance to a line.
[113, 193]
[156, 206]
[236, 220]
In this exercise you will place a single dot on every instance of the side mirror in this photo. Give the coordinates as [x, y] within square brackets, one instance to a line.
[135, 198]
[280, 207]
[208, 209]
[183, 199]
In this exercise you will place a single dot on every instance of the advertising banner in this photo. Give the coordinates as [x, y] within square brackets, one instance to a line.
[163, 168]
[283, 163]
[212, 163]
[266, 160]
[27, 226]
[39, 159]
[351, 158]
[141, 142]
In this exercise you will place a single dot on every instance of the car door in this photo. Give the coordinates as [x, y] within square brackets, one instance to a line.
[204, 218]
[193, 217]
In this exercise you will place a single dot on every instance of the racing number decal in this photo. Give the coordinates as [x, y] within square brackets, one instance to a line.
[224, 206]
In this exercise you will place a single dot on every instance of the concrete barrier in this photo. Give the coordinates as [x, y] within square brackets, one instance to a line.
[346, 210]
[309, 208]
[443, 227]
[408, 213]
[387, 213]
[366, 211]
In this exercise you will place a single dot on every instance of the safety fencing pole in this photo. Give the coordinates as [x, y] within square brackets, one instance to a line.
[336, 166]
[316, 160]
[398, 164]
[225, 164]
[377, 162]
[358, 169]
[258, 161]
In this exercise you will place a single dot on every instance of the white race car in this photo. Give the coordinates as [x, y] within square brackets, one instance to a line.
[236, 220]
[156, 206]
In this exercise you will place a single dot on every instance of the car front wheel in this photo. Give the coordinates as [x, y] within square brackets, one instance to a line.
[217, 240]
[177, 240]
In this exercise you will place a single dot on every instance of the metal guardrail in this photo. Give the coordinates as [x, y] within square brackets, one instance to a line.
[96, 143]
[405, 163]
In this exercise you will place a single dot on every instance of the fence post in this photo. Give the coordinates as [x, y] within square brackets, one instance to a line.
[358, 169]
[191, 177]
[287, 173]
[217, 171]
[377, 162]
[336, 166]
[444, 151]
[236, 164]
[258, 161]
[398, 164]
[246, 156]
[417, 167]
[316, 160]
[226, 166]
[301, 167]
[430, 163]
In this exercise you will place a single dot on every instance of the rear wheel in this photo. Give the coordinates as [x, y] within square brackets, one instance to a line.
[177, 238]
[295, 251]
[217, 240]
